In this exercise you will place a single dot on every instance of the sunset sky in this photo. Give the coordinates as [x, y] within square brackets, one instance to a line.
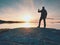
[18, 10]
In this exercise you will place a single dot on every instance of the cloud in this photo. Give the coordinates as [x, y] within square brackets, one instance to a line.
[50, 18]
[56, 21]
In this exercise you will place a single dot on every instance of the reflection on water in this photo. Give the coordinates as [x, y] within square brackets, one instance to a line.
[26, 25]
[18, 25]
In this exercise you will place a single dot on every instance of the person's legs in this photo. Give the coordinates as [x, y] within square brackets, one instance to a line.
[44, 23]
[39, 22]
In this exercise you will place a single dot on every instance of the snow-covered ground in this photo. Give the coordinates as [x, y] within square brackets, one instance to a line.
[30, 36]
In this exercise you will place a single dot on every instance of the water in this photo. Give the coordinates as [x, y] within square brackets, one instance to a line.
[27, 25]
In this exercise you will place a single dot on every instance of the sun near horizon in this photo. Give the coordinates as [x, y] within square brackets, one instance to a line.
[27, 18]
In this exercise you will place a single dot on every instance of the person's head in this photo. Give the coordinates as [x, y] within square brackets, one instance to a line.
[43, 7]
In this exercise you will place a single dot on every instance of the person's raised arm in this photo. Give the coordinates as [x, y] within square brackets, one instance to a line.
[39, 10]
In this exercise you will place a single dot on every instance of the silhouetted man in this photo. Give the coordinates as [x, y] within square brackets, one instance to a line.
[43, 16]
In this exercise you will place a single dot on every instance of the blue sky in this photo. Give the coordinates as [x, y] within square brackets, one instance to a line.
[15, 9]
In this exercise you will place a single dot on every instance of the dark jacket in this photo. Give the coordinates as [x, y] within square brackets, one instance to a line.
[43, 13]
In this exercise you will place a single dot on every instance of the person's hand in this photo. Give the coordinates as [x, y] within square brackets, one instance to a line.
[38, 10]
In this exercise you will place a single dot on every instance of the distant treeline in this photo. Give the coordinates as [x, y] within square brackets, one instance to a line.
[2, 21]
